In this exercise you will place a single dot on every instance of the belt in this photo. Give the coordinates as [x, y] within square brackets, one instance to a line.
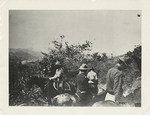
[81, 91]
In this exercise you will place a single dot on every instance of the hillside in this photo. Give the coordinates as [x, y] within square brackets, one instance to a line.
[25, 54]
[71, 58]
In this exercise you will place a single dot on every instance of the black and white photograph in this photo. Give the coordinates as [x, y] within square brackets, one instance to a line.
[75, 58]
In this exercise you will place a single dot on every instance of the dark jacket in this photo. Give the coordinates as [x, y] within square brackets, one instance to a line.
[114, 80]
[82, 89]
[82, 82]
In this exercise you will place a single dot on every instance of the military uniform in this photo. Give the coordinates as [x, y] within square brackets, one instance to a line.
[114, 80]
[82, 89]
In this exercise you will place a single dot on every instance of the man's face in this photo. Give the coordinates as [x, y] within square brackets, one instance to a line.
[86, 72]
[123, 66]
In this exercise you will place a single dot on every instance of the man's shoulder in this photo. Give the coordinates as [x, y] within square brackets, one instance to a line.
[80, 75]
[91, 72]
[115, 70]
[59, 70]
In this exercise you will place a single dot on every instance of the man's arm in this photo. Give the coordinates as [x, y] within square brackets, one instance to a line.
[118, 86]
[57, 74]
[96, 79]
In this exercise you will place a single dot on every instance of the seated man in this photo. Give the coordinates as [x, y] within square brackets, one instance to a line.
[58, 75]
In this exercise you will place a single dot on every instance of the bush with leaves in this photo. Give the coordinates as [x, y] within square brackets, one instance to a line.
[18, 76]
[71, 57]
[134, 70]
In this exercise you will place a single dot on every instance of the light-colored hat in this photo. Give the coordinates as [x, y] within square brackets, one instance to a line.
[57, 63]
[125, 59]
[84, 67]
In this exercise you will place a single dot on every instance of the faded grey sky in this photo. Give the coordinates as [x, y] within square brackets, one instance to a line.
[110, 31]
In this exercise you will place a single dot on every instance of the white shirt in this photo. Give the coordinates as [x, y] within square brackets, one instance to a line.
[92, 76]
[58, 73]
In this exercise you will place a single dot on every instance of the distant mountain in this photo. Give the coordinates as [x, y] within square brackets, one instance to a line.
[25, 54]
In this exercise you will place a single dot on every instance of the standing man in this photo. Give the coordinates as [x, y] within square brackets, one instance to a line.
[93, 81]
[114, 80]
[82, 86]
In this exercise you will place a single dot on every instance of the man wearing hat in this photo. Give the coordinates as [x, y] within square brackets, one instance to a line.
[114, 80]
[82, 86]
[58, 74]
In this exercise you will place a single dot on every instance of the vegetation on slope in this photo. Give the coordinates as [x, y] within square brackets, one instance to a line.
[71, 56]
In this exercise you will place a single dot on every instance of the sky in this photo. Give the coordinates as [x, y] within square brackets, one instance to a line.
[110, 31]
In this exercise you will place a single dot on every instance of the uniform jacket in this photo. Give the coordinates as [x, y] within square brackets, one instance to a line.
[82, 83]
[114, 80]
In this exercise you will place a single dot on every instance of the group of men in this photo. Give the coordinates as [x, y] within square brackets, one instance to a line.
[84, 83]
[87, 81]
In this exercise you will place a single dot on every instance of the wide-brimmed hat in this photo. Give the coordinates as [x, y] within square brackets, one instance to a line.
[125, 59]
[84, 67]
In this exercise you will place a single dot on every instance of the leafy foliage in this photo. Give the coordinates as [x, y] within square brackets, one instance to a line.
[71, 57]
